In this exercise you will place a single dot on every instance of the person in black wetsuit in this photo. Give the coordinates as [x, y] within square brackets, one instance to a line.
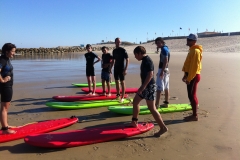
[120, 69]
[90, 73]
[106, 70]
[6, 83]
[147, 90]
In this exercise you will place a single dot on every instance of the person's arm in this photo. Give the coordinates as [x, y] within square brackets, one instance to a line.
[126, 65]
[99, 59]
[5, 79]
[193, 67]
[165, 63]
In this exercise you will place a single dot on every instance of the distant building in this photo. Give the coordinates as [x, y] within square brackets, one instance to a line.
[82, 45]
[206, 33]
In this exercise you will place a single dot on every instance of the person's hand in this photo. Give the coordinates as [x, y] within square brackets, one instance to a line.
[187, 82]
[184, 79]
[110, 71]
[124, 72]
[140, 90]
[161, 75]
[6, 79]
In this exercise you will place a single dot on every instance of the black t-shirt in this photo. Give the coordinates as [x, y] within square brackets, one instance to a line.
[90, 58]
[146, 67]
[106, 59]
[119, 55]
[6, 70]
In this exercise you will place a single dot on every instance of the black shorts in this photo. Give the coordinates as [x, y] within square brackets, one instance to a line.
[149, 92]
[118, 75]
[6, 94]
[90, 71]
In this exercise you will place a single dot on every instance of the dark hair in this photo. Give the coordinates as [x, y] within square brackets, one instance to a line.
[159, 39]
[116, 38]
[104, 48]
[7, 47]
[139, 50]
[88, 46]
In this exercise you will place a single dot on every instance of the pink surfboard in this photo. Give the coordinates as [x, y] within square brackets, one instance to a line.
[37, 127]
[113, 90]
[85, 98]
[86, 136]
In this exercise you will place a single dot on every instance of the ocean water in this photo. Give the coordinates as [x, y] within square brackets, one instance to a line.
[42, 68]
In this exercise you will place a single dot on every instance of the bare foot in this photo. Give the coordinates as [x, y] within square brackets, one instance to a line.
[8, 131]
[191, 118]
[109, 95]
[89, 94]
[134, 124]
[161, 132]
[121, 100]
[13, 127]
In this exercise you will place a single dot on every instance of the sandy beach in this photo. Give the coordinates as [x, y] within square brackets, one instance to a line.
[215, 136]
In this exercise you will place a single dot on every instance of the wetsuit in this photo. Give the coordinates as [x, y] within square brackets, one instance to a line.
[89, 65]
[119, 55]
[6, 70]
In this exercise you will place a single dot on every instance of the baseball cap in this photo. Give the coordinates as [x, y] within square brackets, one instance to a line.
[192, 37]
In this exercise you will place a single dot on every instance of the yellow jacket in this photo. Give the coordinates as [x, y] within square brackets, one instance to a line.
[192, 64]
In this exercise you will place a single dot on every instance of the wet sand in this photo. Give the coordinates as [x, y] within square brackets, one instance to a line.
[214, 136]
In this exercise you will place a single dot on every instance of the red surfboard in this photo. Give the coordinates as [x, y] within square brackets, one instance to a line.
[37, 127]
[113, 90]
[86, 136]
[85, 98]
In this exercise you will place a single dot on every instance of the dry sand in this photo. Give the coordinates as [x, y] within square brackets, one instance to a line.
[215, 136]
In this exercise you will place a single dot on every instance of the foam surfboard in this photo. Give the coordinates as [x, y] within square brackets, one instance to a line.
[37, 127]
[128, 110]
[86, 104]
[85, 98]
[113, 90]
[86, 84]
[86, 136]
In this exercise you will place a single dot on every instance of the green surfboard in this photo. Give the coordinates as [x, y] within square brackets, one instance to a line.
[86, 104]
[86, 84]
[128, 110]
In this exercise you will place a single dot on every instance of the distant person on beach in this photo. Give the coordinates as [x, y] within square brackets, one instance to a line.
[106, 70]
[192, 68]
[163, 72]
[120, 70]
[6, 79]
[90, 72]
[147, 89]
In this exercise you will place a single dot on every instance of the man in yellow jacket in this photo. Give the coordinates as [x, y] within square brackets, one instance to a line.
[192, 68]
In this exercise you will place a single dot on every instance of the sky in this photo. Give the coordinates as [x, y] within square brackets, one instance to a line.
[53, 23]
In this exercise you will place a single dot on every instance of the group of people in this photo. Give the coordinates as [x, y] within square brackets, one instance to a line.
[119, 60]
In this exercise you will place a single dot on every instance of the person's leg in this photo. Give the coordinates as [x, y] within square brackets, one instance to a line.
[104, 86]
[123, 89]
[192, 93]
[94, 84]
[158, 97]
[3, 118]
[136, 101]
[166, 88]
[157, 117]
[159, 83]
[108, 78]
[89, 84]
[116, 77]
[122, 80]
